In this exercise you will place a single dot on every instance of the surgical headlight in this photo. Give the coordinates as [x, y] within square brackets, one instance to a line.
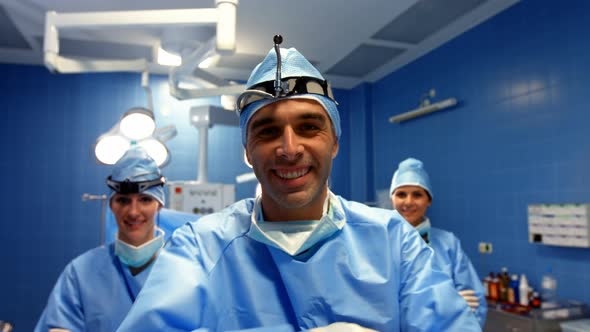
[289, 86]
[129, 187]
[283, 87]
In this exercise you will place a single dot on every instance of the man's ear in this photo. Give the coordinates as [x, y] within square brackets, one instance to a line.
[247, 157]
[335, 149]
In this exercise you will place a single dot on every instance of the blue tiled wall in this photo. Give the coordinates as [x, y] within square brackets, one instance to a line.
[49, 123]
[519, 135]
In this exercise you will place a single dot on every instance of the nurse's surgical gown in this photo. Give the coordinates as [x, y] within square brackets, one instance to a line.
[93, 293]
[452, 260]
[375, 272]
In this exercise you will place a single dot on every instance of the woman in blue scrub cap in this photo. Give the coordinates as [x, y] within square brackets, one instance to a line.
[411, 195]
[96, 290]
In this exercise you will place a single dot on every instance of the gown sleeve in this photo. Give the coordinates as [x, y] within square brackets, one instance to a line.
[429, 300]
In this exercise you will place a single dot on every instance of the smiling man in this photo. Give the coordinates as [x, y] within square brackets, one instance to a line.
[297, 257]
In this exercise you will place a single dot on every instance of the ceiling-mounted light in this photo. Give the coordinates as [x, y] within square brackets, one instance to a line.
[156, 149]
[110, 148]
[166, 58]
[138, 123]
[226, 25]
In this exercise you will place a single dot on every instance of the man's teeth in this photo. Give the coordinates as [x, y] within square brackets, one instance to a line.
[293, 175]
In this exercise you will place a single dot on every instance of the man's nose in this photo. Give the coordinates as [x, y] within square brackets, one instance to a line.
[290, 148]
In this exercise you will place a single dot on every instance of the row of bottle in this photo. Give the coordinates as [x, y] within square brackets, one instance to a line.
[514, 290]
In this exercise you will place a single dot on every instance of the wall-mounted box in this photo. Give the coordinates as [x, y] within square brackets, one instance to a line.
[566, 225]
[200, 198]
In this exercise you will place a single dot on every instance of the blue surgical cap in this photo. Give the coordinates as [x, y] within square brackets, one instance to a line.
[293, 64]
[410, 172]
[136, 166]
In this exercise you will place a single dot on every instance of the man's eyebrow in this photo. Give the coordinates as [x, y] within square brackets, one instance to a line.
[313, 116]
[261, 122]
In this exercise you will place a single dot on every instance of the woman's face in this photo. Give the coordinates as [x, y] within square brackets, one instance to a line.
[411, 202]
[135, 217]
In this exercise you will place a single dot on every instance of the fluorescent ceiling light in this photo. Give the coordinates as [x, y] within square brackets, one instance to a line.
[226, 25]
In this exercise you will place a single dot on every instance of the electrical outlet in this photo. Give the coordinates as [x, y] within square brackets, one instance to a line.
[485, 247]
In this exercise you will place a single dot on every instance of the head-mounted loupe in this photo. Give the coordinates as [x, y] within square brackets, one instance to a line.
[283, 87]
[128, 187]
[290, 86]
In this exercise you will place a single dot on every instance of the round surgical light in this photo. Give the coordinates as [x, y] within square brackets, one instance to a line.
[109, 149]
[138, 123]
[156, 149]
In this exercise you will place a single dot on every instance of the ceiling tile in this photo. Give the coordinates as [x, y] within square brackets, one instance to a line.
[10, 36]
[425, 18]
[363, 60]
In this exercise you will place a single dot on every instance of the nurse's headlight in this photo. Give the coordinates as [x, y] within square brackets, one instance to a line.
[129, 187]
[291, 86]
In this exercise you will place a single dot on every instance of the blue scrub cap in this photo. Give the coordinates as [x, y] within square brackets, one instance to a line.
[293, 64]
[410, 172]
[136, 166]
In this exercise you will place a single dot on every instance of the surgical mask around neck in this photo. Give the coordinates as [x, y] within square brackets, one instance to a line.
[295, 237]
[133, 256]
[424, 229]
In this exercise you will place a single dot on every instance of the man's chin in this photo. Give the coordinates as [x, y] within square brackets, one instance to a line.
[296, 200]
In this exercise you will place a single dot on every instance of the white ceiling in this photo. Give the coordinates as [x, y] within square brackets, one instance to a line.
[351, 41]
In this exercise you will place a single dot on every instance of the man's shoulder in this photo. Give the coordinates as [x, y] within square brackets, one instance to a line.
[226, 217]
[361, 213]
[228, 223]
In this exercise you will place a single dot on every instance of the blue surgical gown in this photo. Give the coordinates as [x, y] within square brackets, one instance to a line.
[376, 272]
[93, 293]
[451, 259]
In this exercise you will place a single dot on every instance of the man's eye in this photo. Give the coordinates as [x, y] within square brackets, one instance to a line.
[267, 132]
[309, 126]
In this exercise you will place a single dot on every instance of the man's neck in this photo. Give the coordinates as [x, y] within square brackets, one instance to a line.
[312, 211]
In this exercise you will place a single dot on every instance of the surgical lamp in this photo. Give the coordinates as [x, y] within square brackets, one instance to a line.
[113, 144]
[136, 127]
[138, 123]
